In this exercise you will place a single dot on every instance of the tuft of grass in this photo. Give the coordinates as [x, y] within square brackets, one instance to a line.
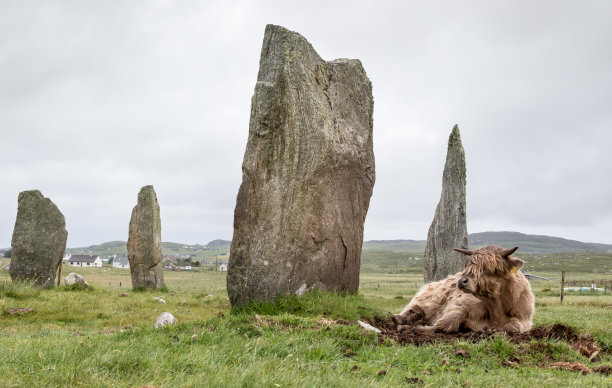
[19, 290]
[318, 303]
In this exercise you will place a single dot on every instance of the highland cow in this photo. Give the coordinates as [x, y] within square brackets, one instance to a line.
[490, 293]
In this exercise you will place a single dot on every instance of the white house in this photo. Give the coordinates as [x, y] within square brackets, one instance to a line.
[67, 257]
[121, 262]
[84, 261]
[223, 267]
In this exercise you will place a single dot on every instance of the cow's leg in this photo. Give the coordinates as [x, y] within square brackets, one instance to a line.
[446, 324]
[515, 325]
[410, 315]
[424, 329]
[475, 325]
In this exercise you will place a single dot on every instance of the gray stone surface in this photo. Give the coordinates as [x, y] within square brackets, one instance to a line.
[74, 278]
[165, 319]
[39, 239]
[308, 174]
[449, 227]
[144, 242]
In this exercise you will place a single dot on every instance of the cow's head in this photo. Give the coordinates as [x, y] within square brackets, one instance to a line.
[486, 269]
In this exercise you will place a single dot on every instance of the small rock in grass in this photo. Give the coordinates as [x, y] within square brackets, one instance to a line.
[160, 300]
[74, 278]
[381, 372]
[462, 353]
[165, 319]
[123, 294]
[414, 380]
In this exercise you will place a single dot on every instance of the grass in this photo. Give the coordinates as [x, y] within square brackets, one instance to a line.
[98, 338]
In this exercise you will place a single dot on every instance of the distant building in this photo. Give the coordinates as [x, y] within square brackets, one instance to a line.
[170, 267]
[170, 258]
[121, 262]
[67, 257]
[223, 267]
[84, 261]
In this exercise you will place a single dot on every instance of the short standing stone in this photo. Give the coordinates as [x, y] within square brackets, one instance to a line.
[39, 239]
[308, 174]
[449, 227]
[144, 242]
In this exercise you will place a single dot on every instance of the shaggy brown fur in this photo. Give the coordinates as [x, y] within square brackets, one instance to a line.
[489, 294]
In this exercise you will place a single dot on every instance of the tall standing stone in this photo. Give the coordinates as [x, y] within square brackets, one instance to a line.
[39, 239]
[449, 227]
[308, 174]
[144, 242]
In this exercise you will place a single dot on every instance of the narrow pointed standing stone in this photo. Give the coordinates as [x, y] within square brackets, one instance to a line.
[39, 239]
[449, 227]
[308, 174]
[144, 242]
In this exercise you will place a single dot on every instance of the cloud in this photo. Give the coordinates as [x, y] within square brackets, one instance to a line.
[99, 99]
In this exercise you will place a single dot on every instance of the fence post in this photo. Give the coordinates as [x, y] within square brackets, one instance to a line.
[562, 284]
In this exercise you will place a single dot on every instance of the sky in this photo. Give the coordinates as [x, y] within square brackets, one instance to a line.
[99, 98]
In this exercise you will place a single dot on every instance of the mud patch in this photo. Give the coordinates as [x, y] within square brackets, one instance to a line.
[20, 311]
[582, 343]
[405, 336]
[572, 367]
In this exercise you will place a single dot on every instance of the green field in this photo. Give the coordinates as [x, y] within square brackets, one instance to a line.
[98, 338]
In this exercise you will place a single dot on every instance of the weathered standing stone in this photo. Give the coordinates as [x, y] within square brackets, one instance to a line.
[308, 174]
[39, 239]
[449, 228]
[144, 242]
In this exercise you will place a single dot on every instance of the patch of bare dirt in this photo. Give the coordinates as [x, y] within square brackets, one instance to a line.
[405, 336]
[402, 334]
[571, 366]
[20, 311]
[605, 370]
[582, 343]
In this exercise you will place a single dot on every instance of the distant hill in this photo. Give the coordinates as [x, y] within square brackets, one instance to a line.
[218, 243]
[212, 250]
[528, 243]
[531, 243]
[395, 245]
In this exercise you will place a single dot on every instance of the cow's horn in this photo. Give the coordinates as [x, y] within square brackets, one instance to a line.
[464, 251]
[508, 252]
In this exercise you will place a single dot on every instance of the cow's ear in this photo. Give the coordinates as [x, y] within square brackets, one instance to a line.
[514, 264]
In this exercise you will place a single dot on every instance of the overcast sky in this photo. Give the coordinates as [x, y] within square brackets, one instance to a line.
[99, 98]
